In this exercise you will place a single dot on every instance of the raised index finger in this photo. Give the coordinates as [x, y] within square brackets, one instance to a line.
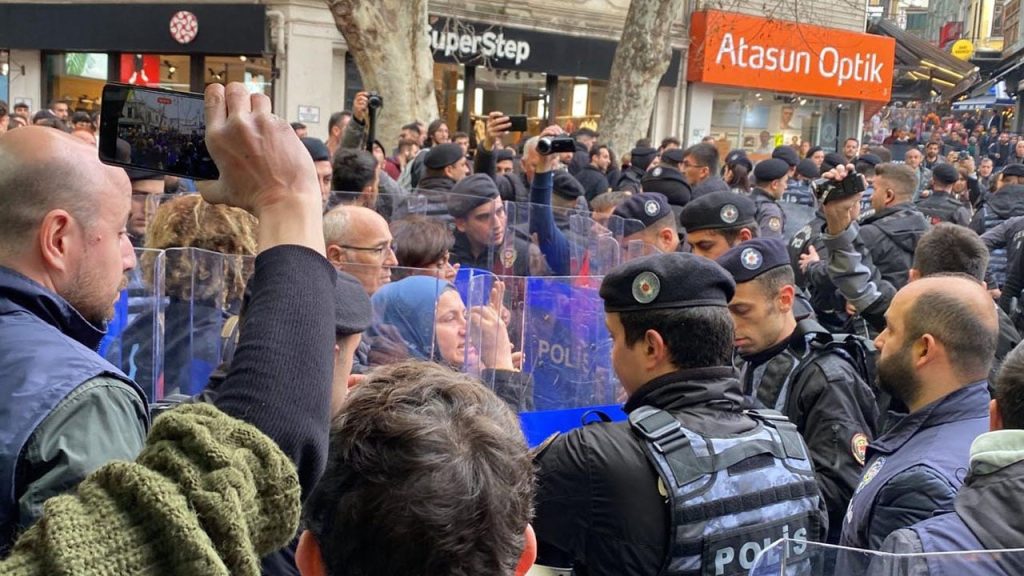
[216, 113]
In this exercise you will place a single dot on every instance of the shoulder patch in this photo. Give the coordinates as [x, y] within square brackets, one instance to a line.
[859, 447]
[775, 224]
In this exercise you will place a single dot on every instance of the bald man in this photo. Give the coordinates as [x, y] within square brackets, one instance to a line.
[934, 356]
[64, 252]
[359, 242]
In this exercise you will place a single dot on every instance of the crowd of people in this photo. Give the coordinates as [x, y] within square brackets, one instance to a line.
[814, 347]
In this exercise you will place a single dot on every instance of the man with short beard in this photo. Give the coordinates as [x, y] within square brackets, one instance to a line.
[934, 356]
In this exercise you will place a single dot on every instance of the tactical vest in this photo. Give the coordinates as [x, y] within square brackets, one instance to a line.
[730, 498]
[799, 193]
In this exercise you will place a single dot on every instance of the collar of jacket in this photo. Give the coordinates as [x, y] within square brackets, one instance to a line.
[19, 293]
[693, 387]
[894, 209]
[758, 191]
[971, 401]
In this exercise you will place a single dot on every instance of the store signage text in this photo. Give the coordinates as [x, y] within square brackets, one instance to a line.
[830, 63]
[789, 57]
[490, 44]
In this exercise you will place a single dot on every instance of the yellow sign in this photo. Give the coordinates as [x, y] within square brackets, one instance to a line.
[962, 49]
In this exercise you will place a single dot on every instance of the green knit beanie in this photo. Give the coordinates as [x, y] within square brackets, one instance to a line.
[208, 495]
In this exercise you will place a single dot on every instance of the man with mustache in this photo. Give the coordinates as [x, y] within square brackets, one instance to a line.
[934, 356]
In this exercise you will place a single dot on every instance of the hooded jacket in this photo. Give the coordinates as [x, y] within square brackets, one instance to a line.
[1007, 203]
[892, 235]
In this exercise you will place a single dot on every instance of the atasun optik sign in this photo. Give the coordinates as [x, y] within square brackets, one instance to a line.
[782, 56]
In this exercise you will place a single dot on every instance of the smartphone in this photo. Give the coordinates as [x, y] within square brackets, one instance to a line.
[157, 130]
[518, 122]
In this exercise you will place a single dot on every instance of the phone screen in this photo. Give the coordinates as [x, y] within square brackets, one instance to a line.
[157, 130]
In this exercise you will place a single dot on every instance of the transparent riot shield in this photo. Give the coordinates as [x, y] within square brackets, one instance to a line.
[559, 346]
[134, 340]
[797, 216]
[143, 212]
[797, 557]
[204, 292]
[418, 316]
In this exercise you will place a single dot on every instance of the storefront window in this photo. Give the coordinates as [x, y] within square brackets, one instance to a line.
[579, 103]
[5, 75]
[255, 73]
[76, 78]
[759, 121]
[512, 92]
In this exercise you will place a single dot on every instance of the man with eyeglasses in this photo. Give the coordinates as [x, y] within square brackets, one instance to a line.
[700, 168]
[359, 242]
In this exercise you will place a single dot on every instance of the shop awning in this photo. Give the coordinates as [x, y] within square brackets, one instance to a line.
[922, 67]
[982, 103]
[1012, 65]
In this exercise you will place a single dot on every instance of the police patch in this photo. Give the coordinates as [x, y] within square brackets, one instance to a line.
[651, 207]
[751, 258]
[775, 224]
[859, 447]
[508, 257]
[873, 471]
[656, 172]
[729, 213]
[646, 287]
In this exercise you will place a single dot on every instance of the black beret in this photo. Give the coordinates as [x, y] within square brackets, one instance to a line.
[504, 154]
[786, 153]
[442, 155]
[718, 210]
[665, 282]
[770, 170]
[567, 187]
[812, 150]
[748, 260]
[808, 169]
[470, 193]
[353, 312]
[871, 159]
[945, 173]
[1014, 170]
[646, 207]
[642, 156]
[673, 155]
[833, 159]
[316, 149]
[739, 157]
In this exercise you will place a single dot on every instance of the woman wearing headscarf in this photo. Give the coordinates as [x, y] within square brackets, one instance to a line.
[423, 318]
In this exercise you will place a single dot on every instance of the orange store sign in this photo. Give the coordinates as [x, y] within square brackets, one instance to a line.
[781, 56]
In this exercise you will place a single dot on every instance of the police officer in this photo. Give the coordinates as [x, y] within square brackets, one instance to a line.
[612, 497]
[481, 227]
[865, 166]
[1007, 202]
[718, 221]
[770, 178]
[982, 517]
[892, 231]
[650, 221]
[667, 179]
[798, 189]
[798, 369]
[934, 356]
[939, 204]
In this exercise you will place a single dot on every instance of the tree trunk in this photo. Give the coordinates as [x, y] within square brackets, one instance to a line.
[641, 59]
[390, 42]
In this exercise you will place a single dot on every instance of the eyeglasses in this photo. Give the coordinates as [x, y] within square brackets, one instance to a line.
[378, 251]
[687, 164]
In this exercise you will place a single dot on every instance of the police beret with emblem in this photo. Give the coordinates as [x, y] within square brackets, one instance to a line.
[1014, 170]
[739, 157]
[673, 155]
[565, 186]
[470, 193]
[770, 170]
[317, 149]
[832, 159]
[718, 210]
[786, 154]
[748, 260]
[645, 208]
[504, 154]
[442, 155]
[666, 281]
[945, 173]
[808, 169]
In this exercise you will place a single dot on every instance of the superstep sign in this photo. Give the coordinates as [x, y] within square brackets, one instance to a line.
[783, 56]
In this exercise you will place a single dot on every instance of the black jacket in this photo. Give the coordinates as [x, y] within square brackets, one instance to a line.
[941, 207]
[598, 505]
[670, 182]
[512, 187]
[892, 235]
[594, 181]
[831, 405]
[630, 180]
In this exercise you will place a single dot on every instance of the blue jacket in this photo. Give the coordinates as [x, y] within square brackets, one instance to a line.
[916, 468]
[47, 350]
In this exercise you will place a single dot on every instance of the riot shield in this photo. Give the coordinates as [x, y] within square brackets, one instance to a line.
[798, 557]
[144, 207]
[602, 245]
[797, 216]
[134, 340]
[561, 349]
[204, 292]
[417, 317]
